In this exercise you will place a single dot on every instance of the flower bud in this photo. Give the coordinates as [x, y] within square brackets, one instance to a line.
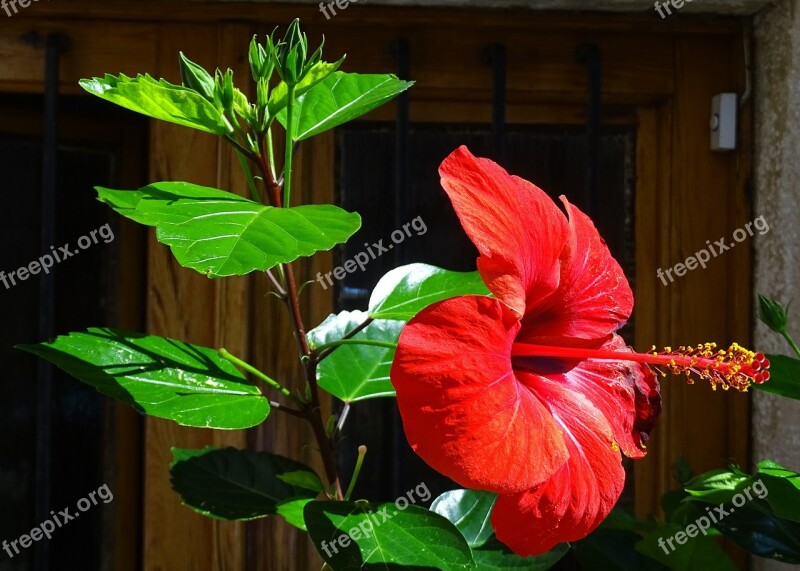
[197, 78]
[772, 313]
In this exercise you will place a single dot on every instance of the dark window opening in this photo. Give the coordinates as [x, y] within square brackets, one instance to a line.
[552, 157]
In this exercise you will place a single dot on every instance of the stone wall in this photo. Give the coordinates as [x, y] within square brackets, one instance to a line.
[777, 181]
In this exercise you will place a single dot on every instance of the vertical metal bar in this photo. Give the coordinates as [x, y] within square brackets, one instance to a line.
[54, 45]
[402, 149]
[496, 57]
[401, 216]
[590, 56]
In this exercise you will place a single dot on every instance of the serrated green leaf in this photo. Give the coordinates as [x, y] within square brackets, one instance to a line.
[356, 536]
[339, 98]
[160, 99]
[356, 372]
[715, 486]
[162, 377]
[220, 234]
[405, 291]
[231, 484]
[278, 96]
[784, 377]
[470, 511]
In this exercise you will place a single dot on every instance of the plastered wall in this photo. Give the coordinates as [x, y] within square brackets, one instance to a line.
[776, 421]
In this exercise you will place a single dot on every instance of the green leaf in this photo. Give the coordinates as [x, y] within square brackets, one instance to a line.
[278, 97]
[220, 234]
[231, 484]
[197, 78]
[494, 556]
[405, 291]
[356, 372]
[612, 550]
[302, 479]
[189, 384]
[699, 553]
[339, 98]
[715, 486]
[161, 100]
[356, 536]
[469, 511]
[292, 512]
[782, 490]
[756, 529]
[359, 372]
[784, 377]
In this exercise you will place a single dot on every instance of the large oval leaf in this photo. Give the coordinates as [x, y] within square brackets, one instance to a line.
[339, 98]
[407, 290]
[756, 529]
[784, 377]
[782, 489]
[494, 556]
[470, 511]
[220, 234]
[356, 372]
[231, 484]
[160, 99]
[189, 384]
[356, 536]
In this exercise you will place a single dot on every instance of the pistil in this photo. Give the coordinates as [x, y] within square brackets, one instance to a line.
[734, 367]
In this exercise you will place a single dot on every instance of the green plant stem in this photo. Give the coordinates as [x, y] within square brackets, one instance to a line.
[310, 366]
[313, 414]
[281, 291]
[288, 410]
[287, 164]
[238, 146]
[334, 344]
[251, 369]
[366, 323]
[362, 451]
[251, 183]
[791, 343]
[272, 185]
[271, 154]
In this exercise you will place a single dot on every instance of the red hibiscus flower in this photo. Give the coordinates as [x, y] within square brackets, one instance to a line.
[531, 394]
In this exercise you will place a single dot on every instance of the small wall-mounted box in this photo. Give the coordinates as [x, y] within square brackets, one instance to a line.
[723, 122]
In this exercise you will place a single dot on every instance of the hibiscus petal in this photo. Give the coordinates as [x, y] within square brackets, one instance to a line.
[574, 501]
[464, 412]
[625, 393]
[518, 229]
[593, 298]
